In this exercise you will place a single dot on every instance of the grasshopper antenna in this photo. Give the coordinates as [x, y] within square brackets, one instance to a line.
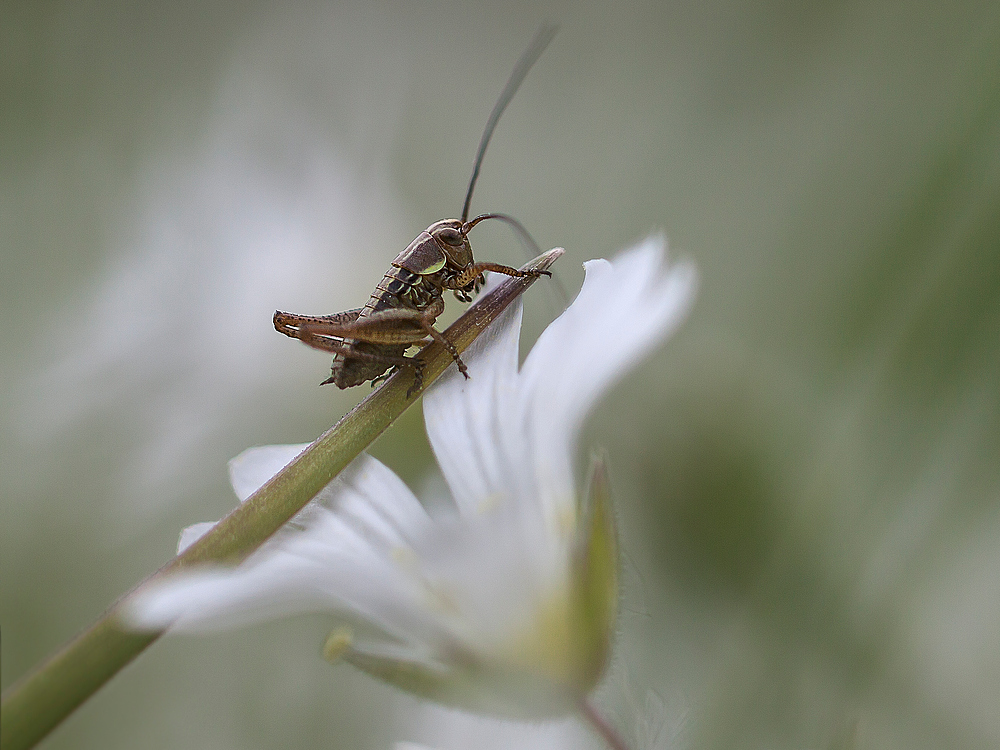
[530, 56]
[534, 51]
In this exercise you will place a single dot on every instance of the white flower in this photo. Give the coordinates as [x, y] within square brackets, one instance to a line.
[507, 605]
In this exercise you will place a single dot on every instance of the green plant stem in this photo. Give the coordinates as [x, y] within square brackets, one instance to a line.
[39, 701]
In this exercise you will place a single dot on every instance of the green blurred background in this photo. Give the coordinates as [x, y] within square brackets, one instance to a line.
[807, 476]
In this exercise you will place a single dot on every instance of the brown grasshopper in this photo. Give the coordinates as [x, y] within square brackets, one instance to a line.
[368, 341]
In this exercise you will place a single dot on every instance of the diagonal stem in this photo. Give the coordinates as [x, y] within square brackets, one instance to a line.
[602, 726]
[40, 700]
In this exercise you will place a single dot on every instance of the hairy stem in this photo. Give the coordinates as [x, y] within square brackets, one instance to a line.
[40, 700]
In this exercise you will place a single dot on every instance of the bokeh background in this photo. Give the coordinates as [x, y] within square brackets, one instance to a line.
[807, 476]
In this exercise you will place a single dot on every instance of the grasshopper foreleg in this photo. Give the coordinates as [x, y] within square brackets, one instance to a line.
[470, 273]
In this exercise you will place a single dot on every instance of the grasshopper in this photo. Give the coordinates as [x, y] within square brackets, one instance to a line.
[368, 341]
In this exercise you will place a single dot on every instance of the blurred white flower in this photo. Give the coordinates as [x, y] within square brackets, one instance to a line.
[427, 726]
[507, 605]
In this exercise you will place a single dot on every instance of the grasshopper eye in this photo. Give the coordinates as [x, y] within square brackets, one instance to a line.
[451, 236]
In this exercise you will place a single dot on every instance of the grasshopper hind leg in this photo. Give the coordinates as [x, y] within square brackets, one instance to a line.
[354, 361]
[367, 345]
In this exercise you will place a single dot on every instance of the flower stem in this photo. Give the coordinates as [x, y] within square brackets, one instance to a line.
[40, 700]
[602, 726]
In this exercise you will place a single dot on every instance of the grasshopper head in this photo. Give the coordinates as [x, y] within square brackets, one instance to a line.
[450, 236]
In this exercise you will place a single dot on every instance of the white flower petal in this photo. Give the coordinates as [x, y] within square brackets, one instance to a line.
[463, 420]
[247, 473]
[346, 551]
[447, 729]
[218, 599]
[504, 436]
[193, 533]
[253, 467]
[623, 311]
